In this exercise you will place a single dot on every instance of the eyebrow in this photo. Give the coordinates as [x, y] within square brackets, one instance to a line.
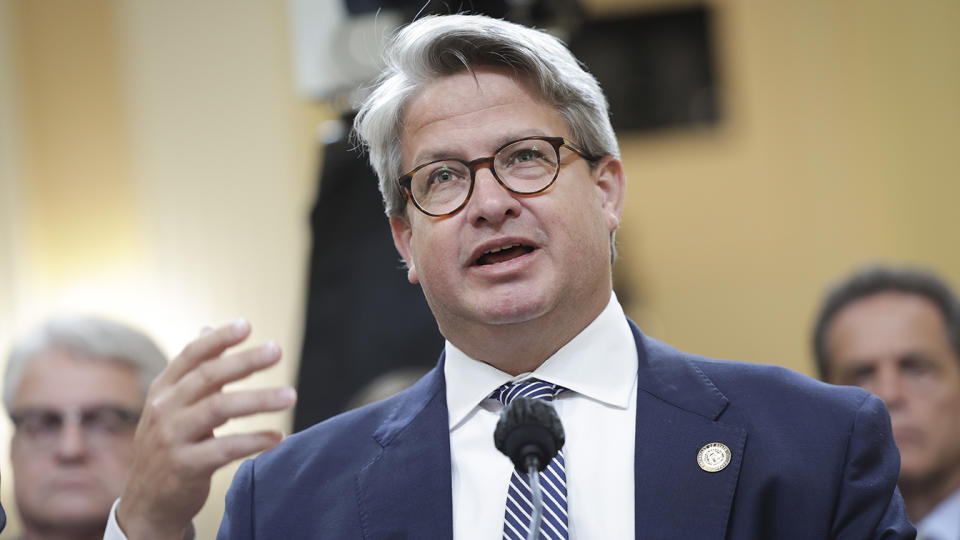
[83, 409]
[449, 152]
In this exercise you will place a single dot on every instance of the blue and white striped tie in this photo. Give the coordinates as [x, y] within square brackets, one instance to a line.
[553, 479]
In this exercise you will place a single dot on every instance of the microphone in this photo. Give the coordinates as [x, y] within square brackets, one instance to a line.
[530, 434]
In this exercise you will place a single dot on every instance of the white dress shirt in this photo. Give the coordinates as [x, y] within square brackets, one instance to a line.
[599, 368]
[943, 523]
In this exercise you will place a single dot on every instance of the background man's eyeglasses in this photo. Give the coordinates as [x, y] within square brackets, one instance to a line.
[41, 429]
[526, 167]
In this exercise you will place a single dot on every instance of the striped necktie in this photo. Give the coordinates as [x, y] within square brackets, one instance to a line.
[553, 479]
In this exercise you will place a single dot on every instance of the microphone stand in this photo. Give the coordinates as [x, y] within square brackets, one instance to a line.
[533, 476]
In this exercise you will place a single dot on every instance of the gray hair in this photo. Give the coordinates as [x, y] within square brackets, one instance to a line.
[86, 336]
[438, 46]
[876, 279]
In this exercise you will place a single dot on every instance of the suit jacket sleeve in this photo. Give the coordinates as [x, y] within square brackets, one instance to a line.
[237, 523]
[870, 505]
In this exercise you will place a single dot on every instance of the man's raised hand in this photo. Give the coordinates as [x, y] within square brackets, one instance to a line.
[176, 452]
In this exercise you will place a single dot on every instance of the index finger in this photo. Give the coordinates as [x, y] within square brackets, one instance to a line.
[208, 346]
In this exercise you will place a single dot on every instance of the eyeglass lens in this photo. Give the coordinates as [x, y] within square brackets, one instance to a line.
[42, 428]
[525, 166]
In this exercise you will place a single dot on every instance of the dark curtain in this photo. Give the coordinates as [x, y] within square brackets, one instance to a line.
[363, 317]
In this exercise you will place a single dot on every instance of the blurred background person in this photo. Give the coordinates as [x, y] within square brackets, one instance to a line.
[896, 333]
[74, 388]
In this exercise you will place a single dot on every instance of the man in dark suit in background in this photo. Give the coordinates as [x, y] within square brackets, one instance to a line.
[504, 188]
[896, 332]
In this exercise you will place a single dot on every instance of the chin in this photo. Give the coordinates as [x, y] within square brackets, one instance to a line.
[917, 473]
[512, 310]
[79, 509]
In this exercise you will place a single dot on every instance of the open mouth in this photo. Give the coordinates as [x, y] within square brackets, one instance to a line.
[503, 254]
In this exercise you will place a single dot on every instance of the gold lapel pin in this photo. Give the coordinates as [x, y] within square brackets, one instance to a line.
[714, 457]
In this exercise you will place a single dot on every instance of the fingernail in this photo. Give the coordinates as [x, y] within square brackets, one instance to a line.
[270, 351]
[240, 325]
[287, 394]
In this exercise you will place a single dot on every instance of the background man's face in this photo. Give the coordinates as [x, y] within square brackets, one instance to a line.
[895, 345]
[73, 476]
[562, 262]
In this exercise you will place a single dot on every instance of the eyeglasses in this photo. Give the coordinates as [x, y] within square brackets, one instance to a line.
[525, 167]
[41, 429]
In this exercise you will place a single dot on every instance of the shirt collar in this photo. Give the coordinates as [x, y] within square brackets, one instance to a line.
[943, 521]
[599, 363]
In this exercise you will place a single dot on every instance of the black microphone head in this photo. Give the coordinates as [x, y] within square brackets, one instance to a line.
[529, 427]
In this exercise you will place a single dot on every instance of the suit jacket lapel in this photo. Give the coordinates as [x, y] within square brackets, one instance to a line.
[405, 492]
[678, 411]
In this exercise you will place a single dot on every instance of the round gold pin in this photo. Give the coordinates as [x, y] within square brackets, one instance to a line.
[714, 457]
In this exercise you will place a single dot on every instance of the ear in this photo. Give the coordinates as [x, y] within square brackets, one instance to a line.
[402, 236]
[611, 185]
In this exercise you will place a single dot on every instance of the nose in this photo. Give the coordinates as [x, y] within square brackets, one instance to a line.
[888, 386]
[71, 445]
[490, 202]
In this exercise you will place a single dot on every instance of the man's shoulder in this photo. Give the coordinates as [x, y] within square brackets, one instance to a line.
[354, 436]
[762, 384]
[327, 476]
[738, 379]
[770, 381]
[750, 394]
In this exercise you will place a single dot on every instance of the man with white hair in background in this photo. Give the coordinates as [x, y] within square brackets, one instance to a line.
[74, 388]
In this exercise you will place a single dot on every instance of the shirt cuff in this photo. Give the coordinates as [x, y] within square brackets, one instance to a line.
[114, 532]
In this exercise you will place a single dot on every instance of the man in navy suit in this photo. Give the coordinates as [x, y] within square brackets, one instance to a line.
[502, 181]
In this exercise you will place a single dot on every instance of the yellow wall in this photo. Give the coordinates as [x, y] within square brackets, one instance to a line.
[842, 127]
[156, 165]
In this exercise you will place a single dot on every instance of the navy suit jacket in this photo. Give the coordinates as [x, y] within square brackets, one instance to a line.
[810, 461]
